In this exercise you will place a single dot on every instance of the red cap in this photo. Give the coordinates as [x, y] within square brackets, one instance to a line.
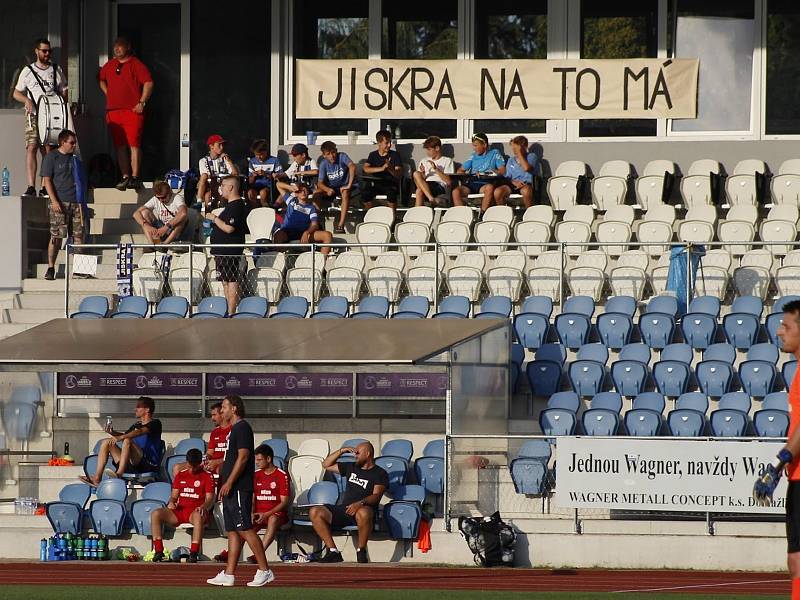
[213, 139]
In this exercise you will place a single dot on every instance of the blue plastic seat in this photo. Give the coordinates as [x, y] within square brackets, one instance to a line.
[212, 307]
[495, 307]
[91, 307]
[544, 376]
[699, 329]
[607, 401]
[693, 400]
[154, 496]
[90, 465]
[321, 492]
[642, 422]
[144, 477]
[529, 475]
[685, 422]
[541, 305]
[377, 306]
[557, 421]
[396, 468]
[657, 329]
[566, 400]
[587, 377]
[727, 422]
[629, 377]
[400, 447]
[764, 351]
[131, 307]
[186, 444]
[402, 520]
[637, 351]
[280, 448]
[772, 324]
[787, 372]
[663, 304]
[771, 423]
[412, 307]
[407, 493]
[434, 448]
[171, 307]
[777, 306]
[741, 329]
[19, 419]
[347, 456]
[251, 307]
[517, 354]
[714, 377]
[170, 462]
[614, 329]
[430, 473]
[66, 514]
[621, 304]
[554, 352]
[599, 421]
[531, 329]
[748, 304]
[651, 401]
[535, 449]
[758, 377]
[572, 329]
[776, 400]
[583, 305]
[708, 305]
[457, 306]
[723, 351]
[291, 307]
[736, 401]
[678, 352]
[108, 512]
[596, 352]
[672, 377]
[332, 307]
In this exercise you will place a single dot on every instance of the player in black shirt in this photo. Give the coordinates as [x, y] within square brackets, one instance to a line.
[228, 228]
[384, 172]
[366, 483]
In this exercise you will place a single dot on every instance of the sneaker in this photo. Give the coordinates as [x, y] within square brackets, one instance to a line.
[339, 230]
[223, 579]
[261, 578]
[31, 191]
[331, 556]
[361, 555]
[110, 474]
[123, 185]
[134, 183]
[252, 560]
[222, 556]
[192, 557]
[158, 557]
[50, 274]
[43, 193]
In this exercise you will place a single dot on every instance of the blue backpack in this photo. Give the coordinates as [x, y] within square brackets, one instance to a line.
[183, 180]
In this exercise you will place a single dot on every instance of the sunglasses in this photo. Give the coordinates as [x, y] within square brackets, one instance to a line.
[44, 50]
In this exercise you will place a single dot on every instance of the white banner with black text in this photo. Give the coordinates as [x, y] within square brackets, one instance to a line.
[664, 475]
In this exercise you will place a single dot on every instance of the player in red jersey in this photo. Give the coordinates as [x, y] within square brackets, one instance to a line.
[271, 494]
[217, 443]
[192, 497]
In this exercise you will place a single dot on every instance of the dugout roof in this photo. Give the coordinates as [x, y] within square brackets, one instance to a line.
[61, 343]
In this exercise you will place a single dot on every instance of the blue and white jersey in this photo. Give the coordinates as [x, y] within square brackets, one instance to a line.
[298, 217]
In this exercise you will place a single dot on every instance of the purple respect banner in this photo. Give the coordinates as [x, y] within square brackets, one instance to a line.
[402, 385]
[280, 384]
[130, 384]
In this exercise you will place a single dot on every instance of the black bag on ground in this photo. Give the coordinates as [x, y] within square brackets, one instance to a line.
[490, 539]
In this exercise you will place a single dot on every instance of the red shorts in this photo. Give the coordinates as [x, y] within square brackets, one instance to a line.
[125, 127]
[182, 513]
[283, 519]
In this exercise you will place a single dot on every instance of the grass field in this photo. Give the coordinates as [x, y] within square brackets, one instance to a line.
[55, 592]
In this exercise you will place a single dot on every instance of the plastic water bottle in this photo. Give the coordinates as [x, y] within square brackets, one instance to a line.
[6, 182]
[43, 550]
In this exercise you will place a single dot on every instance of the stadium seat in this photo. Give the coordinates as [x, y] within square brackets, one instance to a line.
[587, 377]
[295, 307]
[19, 419]
[663, 304]
[693, 400]
[699, 329]
[412, 307]
[321, 492]
[430, 473]
[685, 422]
[566, 400]
[541, 305]
[771, 423]
[672, 377]
[131, 307]
[171, 307]
[280, 450]
[401, 448]
[154, 496]
[557, 422]
[758, 377]
[332, 307]
[529, 468]
[777, 401]
[108, 512]
[642, 422]
[726, 422]
[533, 235]
[696, 185]
[600, 421]
[434, 448]
[741, 329]
[655, 183]
[721, 351]
[787, 372]
[679, 352]
[742, 187]
[91, 307]
[562, 188]
[657, 329]
[630, 377]
[251, 307]
[531, 329]
[772, 323]
[453, 307]
[777, 307]
[748, 304]
[621, 304]
[402, 520]
[736, 401]
[66, 514]
[544, 376]
[144, 477]
[260, 222]
[708, 305]
[572, 329]
[305, 471]
[396, 468]
[372, 306]
[583, 305]
[637, 351]
[614, 329]
[651, 401]
[715, 377]
[607, 401]
[212, 307]
[495, 307]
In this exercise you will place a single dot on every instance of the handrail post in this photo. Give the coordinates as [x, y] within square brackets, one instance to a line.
[191, 277]
[313, 277]
[66, 282]
[436, 281]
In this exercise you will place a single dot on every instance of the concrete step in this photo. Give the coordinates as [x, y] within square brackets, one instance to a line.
[112, 226]
[32, 316]
[113, 211]
[49, 300]
[114, 196]
[9, 329]
[97, 286]
[104, 271]
[104, 255]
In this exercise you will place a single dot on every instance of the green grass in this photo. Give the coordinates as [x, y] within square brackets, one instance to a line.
[57, 592]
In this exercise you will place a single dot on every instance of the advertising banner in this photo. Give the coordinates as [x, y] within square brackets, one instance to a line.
[402, 385]
[324, 385]
[130, 384]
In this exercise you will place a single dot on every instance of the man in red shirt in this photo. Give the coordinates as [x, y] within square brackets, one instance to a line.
[128, 85]
[217, 444]
[191, 501]
[271, 493]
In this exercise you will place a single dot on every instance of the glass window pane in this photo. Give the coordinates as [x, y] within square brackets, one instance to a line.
[416, 29]
[783, 68]
[29, 21]
[510, 29]
[334, 31]
[619, 29]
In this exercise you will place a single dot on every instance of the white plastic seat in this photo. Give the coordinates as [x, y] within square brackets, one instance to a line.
[421, 281]
[698, 232]
[151, 260]
[351, 259]
[532, 231]
[148, 282]
[514, 259]
[784, 212]
[752, 281]
[541, 213]
[419, 214]
[458, 214]
[319, 447]
[711, 280]
[412, 233]
[734, 233]
[266, 282]
[610, 187]
[743, 212]
[650, 185]
[612, 233]
[492, 232]
[634, 258]
[758, 258]
[792, 259]
[194, 260]
[505, 281]
[271, 260]
[628, 281]
[718, 257]
[787, 280]
[703, 212]
[778, 231]
[586, 281]
[620, 212]
[373, 233]
[385, 281]
[785, 186]
[187, 283]
[465, 281]
[309, 260]
[580, 213]
[593, 258]
[664, 213]
[305, 282]
[499, 214]
[651, 232]
[452, 232]
[380, 214]
[741, 186]
[393, 259]
[345, 281]
[545, 281]
[562, 188]
[305, 471]
[471, 258]
[696, 184]
[573, 231]
[260, 222]
[551, 259]
[658, 279]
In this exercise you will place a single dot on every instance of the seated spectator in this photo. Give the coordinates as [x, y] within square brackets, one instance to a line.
[217, 444]
[300, 221]
[521, 168]
[262, 170]
[228, 228]
[366, 483]
[385, 166]
[484, 161]
[213, 168]
[431, 176]
[141, 446]
[337, 176]
[163, 217]
[271, 493]
[301, 163]
[192, 499]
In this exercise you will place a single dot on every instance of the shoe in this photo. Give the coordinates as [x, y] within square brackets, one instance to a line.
[123, 185]
[223, 579]
[110, 474]
[339, 230]
[252, 560]
[331, 557]
[361, 555]
[43, 193]
[261, 578]
[134, 183]
[222, 556]
[31, 191]
[158, 557]
[192, 557]
[50, 274]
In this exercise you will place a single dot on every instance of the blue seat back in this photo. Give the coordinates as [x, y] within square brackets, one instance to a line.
[280, 448]
[176, 305]
[764, 351]
[455, 304]
[535, 449]
[544, 377]
[333, 304]
[517, 354]
[157, 490]
[65, 517]
[26, 394]
[685, 422]
[671, 377]
[323, 492]
[567, 400]
[400, 447]
[778, 305]
[748, 304]
[367, 315]
[741, 329]
[599, 421]
[414, 304]
[538, 304]
[579, 304]
[736, 401]
[112, 489]
[430, 473]
[90, 465]
[663, 304]
[772, 324]
[108, 516]
[136, 305]
[771, 423]
[140, 514]
[638, 351]
[714, 377]
[650, 400]
[758, 377]
[375, 304]
[621, 304]
[402, 520]
[726, 422]
[529, 475]
[608, 401]
[614, 329]
[19, 419]
[214, 305]
[708, 305]
[776, 400]
[186, 444]
[94, 304]
[587, 377]
[252, 305]
[169, 464]
[531, 329]
[693, 400]
[657, 329]
[552, 352]
[77, 493]
[572, 329]
[396, 468]
[787, 372]
[629, 377]
[642, 422]
[497, 304]
[678, 352]
[408, 493]
[722, 351]
[557, 421]
[595, 352]
[699, 329]
[296, 305]
[434, 448]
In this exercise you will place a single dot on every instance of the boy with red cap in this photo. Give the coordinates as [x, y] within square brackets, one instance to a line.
[213, 167]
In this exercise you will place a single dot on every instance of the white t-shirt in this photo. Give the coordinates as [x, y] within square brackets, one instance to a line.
[213, 166]
[294, 168]
[445, 163]
[165, 212]
[46, 82]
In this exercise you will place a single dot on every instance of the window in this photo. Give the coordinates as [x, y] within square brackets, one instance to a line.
[29, 21]
[417, 29]
[333, 31]
[619, 29]
[783, 68]
[508, 29]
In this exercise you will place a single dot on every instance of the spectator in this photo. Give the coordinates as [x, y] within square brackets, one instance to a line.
[383, 164]
[521, 168]
[484, 162]
[59, 172]
[271, 497]
[300, 222]
[301, 163]
[432, 175]
[337, 175]
[128, 85]
[217, 444]
[366, 483]
[191, 502]
[213, 168]
[40, 78]
[228, 228]
[262, 170]
[163, 217]
[236, 493]
[141, 446]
